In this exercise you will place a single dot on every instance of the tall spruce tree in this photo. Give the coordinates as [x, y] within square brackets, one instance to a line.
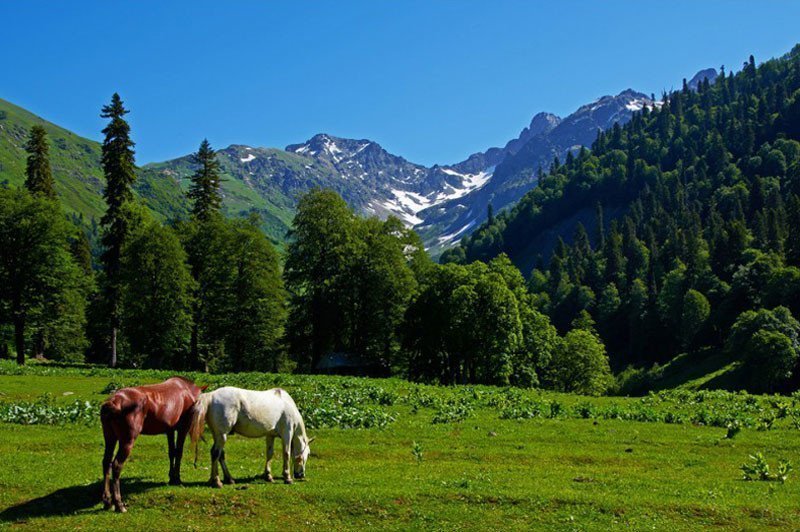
[39, 176]
[205, 183]
[120, 173]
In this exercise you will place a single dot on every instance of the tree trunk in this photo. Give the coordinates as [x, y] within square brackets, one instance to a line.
[113, 362]
[19, 339]
[38, 346]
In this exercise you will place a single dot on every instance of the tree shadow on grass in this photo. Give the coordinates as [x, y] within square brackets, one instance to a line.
[67, 501]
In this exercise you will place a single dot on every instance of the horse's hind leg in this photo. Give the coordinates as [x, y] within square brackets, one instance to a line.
[226, 475]
[124, 451]
[216, 452]
[270, 454]
[111, 443]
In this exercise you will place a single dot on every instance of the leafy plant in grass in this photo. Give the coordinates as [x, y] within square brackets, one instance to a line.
[758, 469]
[44, 411]
[453, 412]
[733, 429]
[416, 451]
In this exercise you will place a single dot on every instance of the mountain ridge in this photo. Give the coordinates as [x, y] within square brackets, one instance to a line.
[443, 202]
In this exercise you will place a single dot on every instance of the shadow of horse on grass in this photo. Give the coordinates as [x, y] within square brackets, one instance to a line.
[68, 501]
[74, 499]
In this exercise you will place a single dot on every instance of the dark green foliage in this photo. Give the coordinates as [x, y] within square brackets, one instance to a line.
[120, 173]
[768, 342]
[156, 289]
[205, 188]
[696, 206]
[39, 176]
[476, 324]
[256, 308]
[579, 365]
[42, 290]
[350, 281]
[239, 301]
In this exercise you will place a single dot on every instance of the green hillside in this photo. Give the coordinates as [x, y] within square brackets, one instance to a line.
[676, 233]
[76, 167]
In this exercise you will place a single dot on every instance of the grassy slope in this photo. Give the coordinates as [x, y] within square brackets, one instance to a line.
[76, 167]
[239, 197]
[547, 474]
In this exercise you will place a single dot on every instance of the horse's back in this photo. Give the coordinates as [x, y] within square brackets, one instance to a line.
[250, 413]
[151, 408]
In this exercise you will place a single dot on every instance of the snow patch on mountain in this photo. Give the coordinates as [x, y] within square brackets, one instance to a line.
[405, 204]
[445, 239]
[247, 159]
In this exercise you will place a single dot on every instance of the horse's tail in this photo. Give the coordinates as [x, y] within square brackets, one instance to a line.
[198, 422]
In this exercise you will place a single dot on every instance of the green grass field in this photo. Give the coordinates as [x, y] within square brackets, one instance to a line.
[495, 458]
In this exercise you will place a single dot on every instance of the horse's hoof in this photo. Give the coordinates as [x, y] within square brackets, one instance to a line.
[288, 481]
[269, 478]
[107, 505]
[120, 509]
[215, 483]
[175, 482]
[229, 481]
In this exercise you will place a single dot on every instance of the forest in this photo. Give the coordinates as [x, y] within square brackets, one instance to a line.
[672, 235]
[702, 253]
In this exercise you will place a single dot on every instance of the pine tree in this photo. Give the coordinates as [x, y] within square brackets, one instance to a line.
[205, 189]
[599, 223]
[120, 173]
[39, 178]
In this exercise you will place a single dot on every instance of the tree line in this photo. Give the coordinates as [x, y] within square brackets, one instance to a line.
[211, 293]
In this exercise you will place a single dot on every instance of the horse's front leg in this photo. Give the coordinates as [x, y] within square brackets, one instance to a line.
[171, 450]
[270, 454]
[287, 457]
[182, 432]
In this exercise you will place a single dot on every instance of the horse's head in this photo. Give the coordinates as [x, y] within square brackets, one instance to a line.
[301, 458]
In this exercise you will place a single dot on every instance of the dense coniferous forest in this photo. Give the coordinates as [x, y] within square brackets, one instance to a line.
[701, 253]
[674, 236]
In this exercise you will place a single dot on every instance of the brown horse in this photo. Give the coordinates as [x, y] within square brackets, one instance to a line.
[163, 408]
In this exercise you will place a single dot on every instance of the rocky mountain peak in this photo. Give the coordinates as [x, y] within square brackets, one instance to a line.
[707, 73]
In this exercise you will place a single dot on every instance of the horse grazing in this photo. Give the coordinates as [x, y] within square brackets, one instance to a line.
[252, 414]
[164, 408]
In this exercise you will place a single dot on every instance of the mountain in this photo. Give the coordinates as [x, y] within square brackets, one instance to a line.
[514, 168]
[709, 74]
[76, 166]
[443, 202]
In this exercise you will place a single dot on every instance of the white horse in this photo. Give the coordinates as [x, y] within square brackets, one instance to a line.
[252, 414]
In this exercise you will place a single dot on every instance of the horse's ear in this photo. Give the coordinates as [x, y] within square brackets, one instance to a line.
[203, 388]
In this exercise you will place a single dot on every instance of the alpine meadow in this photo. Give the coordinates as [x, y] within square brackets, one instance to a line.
[594, 325]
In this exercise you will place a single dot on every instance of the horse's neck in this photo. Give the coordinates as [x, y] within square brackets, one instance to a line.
[299, 427]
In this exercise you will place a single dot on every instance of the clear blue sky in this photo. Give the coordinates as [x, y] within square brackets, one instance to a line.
[432, 80]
